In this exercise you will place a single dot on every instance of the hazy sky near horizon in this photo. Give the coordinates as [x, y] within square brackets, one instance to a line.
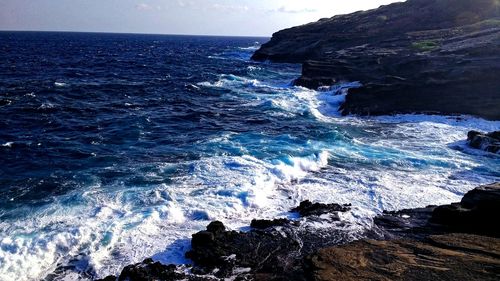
[204, 17]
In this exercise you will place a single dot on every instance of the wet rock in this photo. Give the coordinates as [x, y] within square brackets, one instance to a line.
[108, 278]
[224, 251]
[476, 213]
[148, 270]
[409, 223]
[426, 56]
[307, 208]
[263, 224]
[216, 227]
[432, 243]
[489, 142]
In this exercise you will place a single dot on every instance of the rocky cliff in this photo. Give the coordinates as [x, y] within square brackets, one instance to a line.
[426, 56]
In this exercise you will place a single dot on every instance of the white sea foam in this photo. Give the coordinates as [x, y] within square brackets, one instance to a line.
[231, 81]
[253, 68]
[46, 105]
[250, 48]
[60, 84]
[235, 190]
[8, 144]
[397, 162]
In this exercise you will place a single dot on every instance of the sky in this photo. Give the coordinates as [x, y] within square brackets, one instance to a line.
[198, 17]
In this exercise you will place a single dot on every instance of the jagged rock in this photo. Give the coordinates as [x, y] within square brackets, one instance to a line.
[417, 244]
[427, 56]
[263, 251]
[409, 223]
[442, 257]
[476, 213]
[263, 224]
[148, 270]
[307, 208]
[489, 142]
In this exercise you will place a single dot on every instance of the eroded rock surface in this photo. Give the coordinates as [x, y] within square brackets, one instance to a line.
[441, 257]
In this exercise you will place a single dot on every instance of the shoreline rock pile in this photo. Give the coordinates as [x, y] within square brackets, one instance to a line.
[459, 241]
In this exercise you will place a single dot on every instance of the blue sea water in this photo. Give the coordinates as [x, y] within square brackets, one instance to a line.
[117, 147]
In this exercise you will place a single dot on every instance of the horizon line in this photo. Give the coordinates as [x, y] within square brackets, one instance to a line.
[135, 33]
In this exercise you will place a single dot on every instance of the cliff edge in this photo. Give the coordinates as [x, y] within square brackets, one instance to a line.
[418, 56]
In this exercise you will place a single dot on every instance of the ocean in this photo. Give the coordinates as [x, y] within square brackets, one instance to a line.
[118, 147]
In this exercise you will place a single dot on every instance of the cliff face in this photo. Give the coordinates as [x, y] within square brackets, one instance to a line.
[430, 56]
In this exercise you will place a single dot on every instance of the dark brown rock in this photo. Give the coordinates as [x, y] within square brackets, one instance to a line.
[443, 257]
[108, 278]
[386, 26]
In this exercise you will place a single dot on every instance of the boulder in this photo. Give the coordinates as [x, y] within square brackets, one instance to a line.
[149, 270]
[307, 208]
[477, 213]
[264, 224]
[223, 251]
[489, 142]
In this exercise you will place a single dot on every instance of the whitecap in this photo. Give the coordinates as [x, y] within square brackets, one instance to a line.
[253, 68]
[8, 144]
[60, 84]
[231, 81]
[250, 48]
[46, 105]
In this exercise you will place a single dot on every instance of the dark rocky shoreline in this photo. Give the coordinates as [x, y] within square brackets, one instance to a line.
[419, 56]
[460, 241]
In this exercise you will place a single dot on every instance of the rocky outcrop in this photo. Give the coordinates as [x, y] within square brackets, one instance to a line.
[441, 257]
[307, 208]
[274, 249]
[264, 224]
[474, 214]
[149, 270]
[224, 251]
[452, 242]
[427, 56]
[459, 241]
[489, 142]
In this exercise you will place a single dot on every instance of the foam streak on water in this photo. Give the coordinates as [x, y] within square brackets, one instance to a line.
[135, 153]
